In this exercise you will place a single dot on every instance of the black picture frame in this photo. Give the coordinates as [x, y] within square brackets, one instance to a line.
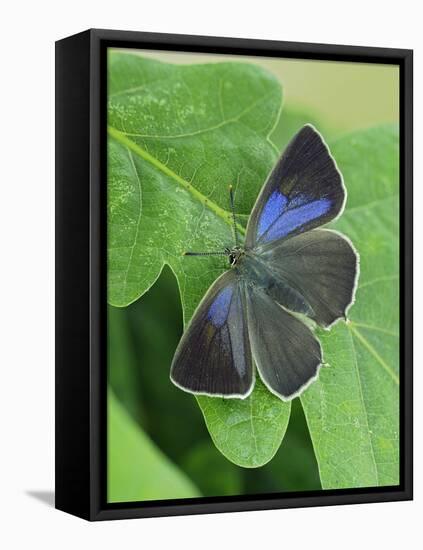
[81, 324]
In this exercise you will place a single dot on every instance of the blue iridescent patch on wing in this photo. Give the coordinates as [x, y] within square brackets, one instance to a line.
[219, 309]
[274, 207]
[297, 214]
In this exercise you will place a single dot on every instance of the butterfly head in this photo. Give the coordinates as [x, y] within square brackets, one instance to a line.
[234, 255]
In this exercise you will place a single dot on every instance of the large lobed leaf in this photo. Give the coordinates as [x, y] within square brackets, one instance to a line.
[178, 135]
[353, 409]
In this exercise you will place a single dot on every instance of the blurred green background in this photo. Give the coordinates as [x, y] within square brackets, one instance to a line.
[158, 445]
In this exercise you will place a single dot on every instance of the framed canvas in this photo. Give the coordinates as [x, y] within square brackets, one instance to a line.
[234, 274]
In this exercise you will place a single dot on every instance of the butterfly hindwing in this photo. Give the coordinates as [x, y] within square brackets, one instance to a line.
[303, 191]
[285, 350]
[214, 356]
[322, 266]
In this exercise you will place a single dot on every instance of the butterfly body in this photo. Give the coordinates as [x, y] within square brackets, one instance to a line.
[257, 271]
[287, 266]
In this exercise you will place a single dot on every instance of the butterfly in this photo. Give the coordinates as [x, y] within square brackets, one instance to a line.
[251, 317]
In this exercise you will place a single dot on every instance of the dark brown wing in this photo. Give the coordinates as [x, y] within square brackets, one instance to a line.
[214, 356]
[303, 191]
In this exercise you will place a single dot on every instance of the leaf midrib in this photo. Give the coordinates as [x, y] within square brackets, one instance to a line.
[364, 405]
[367, 345]
[142, 153]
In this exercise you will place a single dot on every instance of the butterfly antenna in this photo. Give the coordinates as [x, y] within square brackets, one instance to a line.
[231, 196]
[220, 253]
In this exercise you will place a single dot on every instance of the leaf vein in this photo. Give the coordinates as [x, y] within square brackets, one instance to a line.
[122, 138]
[131, 255]
[217, 126]
[364, 406]
[373, 352]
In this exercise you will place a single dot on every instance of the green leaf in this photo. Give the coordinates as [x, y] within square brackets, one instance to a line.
[178, 136]
[352, 410]
[294, 467]
[290, 122]
[248, 431]
[137, 470]
[177, 140]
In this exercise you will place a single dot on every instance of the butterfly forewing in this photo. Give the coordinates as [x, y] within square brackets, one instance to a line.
[285, 350]
[303, 191]
[214, 356]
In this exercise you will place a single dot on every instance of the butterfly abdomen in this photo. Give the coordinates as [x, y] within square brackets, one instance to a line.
[256, 272]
